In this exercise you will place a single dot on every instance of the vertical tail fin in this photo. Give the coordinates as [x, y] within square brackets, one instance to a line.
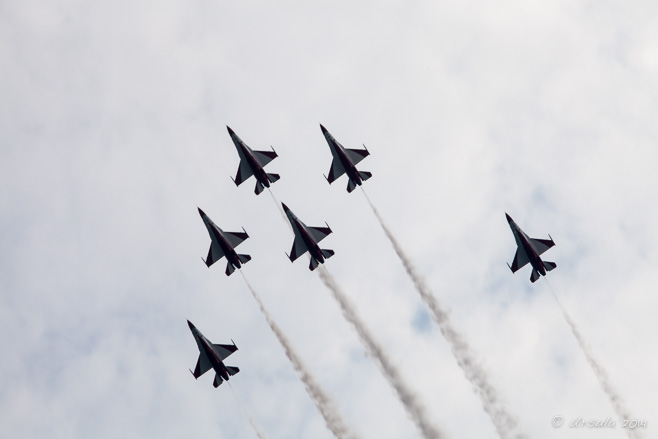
[232, 370]
[273, 177]
[259, 188]
[244, 258]
[365, 175]
[314, 264]
[229, 269]
[350, 186]
[534, 276]
[327, 253]
[549, 265]
[218, 381]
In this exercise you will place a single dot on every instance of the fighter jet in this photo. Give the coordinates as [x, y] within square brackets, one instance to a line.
[223, 244]
[212, 356]
[306, 240]
[252, 163]
[345, 161]
[528, 250]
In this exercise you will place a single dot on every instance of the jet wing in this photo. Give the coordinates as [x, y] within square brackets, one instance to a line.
[235, 238]
[224, 350]
[298, 248]
[202, 365]
[264, 157]
[244, 172]
[356, 155]
[336, 170]
[318, 233]
[541, 245]
[215, 253]
[520, 260]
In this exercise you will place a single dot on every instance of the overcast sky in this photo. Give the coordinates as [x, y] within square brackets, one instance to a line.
[113, 130]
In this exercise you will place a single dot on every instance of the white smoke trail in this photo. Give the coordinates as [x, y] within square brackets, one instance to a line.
[407, 397]
[251, 420]
[278, 205]
[323, 402]
[601, 374]
[505, 423]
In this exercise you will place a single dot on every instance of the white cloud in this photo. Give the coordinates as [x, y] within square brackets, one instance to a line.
[112, 132]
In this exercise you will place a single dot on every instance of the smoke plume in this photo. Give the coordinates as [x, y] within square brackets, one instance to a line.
[505, 423]
[323, 402]
[278, 206]
[601, 375]
[407, 397]
[251, 420]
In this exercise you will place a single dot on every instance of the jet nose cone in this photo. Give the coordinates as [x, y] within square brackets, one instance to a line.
[285, 207]
[190, 325]
[230, 131]
[324, 130]
[201, 212]
[509, 218]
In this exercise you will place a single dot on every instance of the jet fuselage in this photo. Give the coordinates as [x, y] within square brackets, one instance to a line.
[229, 252]
[523, 241]
[300, 229]
[339, 150]
[245, 152]
[313, 247]
[204, 345]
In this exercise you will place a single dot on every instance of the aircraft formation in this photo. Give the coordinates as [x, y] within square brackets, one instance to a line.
[306, 240]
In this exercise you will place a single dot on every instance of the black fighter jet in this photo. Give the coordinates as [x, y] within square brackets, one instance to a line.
[223, 244]
[307, 239]
[345, 161]
[212, 356]
[528, 250]
[252, 163]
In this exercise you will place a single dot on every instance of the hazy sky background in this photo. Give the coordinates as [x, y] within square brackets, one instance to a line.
[112, 132]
